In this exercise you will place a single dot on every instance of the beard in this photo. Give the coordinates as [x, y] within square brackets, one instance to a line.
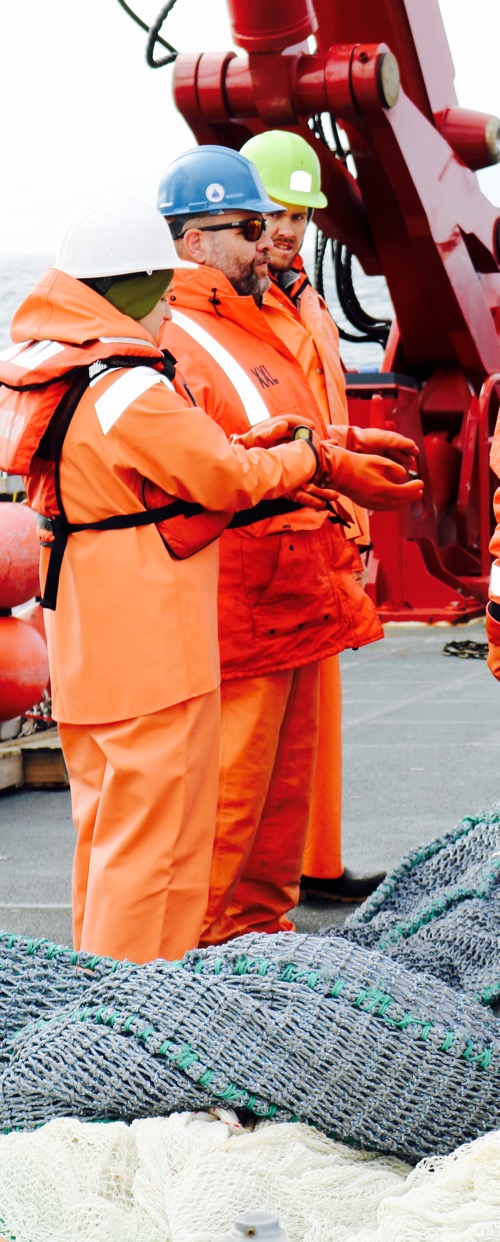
[282, 261]
[241, 275]
[250, 285]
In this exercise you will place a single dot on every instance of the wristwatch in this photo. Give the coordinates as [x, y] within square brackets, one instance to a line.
[303, 433]
[306, 433]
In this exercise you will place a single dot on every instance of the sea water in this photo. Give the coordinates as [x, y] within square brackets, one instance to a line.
[18, 275]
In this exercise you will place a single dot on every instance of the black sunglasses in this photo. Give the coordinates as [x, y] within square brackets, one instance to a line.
[251, 229]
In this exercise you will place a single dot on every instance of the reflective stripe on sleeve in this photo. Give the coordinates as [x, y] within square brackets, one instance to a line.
[124, 391]
[255, 407]
[495, 580]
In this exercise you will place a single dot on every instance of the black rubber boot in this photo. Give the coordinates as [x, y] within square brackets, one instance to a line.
[345, 887]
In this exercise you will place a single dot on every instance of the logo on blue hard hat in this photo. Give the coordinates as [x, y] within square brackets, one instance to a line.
[215, 192]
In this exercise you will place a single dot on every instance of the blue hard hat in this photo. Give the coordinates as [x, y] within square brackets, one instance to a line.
[210, 180]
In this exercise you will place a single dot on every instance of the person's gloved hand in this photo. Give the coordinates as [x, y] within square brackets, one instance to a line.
[493, 636]
[374, 440]
[272, 431]
[314, 496]
[373, 482]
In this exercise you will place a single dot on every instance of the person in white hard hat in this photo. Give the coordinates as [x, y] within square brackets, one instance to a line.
[131, 623]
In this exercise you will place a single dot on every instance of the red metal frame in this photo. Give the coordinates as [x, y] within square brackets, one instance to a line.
[415, 213]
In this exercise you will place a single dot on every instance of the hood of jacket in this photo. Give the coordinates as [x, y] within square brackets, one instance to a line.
[61, 325]
[61, 308]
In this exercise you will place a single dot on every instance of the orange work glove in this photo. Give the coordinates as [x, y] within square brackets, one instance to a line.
[318, 497]
[373, 440]
[317, 494]
[373, 482]
[272, 431]
[493, 636]
[281, 428]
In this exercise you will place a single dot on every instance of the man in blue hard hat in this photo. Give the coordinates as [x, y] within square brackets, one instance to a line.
[287, 597]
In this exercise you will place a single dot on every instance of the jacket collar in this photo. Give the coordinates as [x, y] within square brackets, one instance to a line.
[208, 291]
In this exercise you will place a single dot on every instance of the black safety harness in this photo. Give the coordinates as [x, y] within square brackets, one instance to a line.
[50, 449]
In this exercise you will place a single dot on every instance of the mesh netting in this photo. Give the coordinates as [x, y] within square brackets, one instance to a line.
[439, 910]
[358, 1033]
[283, 1026]
[186, 1177]
[37, 977]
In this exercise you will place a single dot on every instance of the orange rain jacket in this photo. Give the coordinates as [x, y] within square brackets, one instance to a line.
[134, 630]
[287, 596]
[493, 624]
[319, 356]
[317, 351]
[494, 592]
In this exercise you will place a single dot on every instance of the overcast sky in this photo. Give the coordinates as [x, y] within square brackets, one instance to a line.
[84, 118]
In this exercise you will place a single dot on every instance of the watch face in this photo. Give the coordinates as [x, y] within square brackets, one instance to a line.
[302, 433]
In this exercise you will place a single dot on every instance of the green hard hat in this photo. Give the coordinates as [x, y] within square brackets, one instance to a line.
[288, 166]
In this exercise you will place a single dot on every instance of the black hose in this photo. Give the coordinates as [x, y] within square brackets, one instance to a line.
[320, 246]
[342, 262]
[154, 36]
[369, 329]
[143, 25]
[318, 129]
[153, 39]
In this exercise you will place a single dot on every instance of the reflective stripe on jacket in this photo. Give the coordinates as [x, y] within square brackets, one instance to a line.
[34, 377]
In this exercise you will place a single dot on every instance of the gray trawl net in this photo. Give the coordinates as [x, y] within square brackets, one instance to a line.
[439, 910]
[37, 977]
[281, 1026]
[358, 1032]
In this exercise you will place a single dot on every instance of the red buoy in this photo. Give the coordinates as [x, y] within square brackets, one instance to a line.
[24, 667]
[19, 554]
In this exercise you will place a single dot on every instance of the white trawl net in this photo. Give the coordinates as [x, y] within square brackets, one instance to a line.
[186, 1177]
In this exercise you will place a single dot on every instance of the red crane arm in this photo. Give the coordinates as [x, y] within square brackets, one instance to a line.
[414, 211]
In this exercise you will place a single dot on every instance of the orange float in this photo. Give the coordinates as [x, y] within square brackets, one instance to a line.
[24, 667]
[32, 614]
[19, 554]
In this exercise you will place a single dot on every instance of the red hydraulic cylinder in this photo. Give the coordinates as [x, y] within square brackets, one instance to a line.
[474, 136]
[265, 26]
[226, 99]
[413, 30]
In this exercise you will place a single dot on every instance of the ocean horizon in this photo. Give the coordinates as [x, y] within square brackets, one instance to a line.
[18, 275]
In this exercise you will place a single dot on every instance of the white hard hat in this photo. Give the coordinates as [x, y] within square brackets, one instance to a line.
[115, 238]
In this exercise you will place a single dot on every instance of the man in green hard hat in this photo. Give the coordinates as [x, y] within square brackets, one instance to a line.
[291, 174]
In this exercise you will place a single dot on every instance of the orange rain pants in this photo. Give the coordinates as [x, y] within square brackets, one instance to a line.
[323, 852]
[312, 336]
[144, 795]
[268, 757]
